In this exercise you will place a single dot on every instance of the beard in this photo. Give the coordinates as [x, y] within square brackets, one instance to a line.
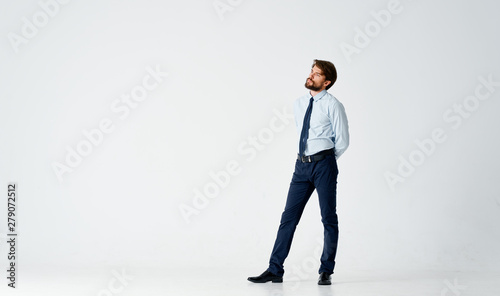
[311, 85]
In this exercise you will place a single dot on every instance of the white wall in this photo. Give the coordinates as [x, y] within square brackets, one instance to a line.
[229, 75]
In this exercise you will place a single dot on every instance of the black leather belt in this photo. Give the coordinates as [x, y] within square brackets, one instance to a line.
[316, 157]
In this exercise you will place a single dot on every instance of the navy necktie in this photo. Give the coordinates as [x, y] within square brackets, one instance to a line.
[305, 128]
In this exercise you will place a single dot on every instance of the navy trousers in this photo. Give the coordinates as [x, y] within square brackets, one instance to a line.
[322, 176]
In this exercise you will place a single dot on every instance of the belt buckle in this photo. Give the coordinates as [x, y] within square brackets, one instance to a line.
[306, 158]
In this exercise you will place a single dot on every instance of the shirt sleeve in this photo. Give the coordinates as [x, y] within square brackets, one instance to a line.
[340, 129]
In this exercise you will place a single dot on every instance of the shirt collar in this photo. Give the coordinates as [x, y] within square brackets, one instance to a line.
[319, 95]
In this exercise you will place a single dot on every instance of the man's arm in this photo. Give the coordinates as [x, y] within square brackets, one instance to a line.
[340, 129]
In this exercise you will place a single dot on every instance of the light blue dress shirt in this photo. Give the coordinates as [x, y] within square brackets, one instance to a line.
[328, 126]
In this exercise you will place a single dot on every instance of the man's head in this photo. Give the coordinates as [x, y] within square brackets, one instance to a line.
[323, 75]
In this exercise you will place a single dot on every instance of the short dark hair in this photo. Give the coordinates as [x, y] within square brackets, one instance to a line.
[328, 70]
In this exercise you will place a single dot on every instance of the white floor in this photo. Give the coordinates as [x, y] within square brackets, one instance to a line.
[117, 281]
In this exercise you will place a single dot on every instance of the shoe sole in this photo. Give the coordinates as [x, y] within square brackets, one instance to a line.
[260, 282]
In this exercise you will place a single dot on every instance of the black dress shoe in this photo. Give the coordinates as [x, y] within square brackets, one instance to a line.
[266, 276]
[324, 279]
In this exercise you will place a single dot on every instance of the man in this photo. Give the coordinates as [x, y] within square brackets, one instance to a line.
[322, 124]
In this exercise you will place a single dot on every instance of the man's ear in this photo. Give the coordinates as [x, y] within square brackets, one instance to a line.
[327, 82]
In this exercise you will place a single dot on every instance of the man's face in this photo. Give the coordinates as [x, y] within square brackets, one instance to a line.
[316, 80]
